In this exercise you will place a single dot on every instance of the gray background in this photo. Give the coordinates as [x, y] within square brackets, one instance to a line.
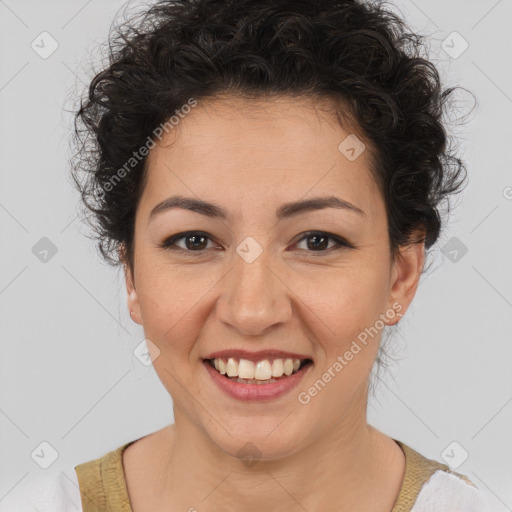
[67, 372]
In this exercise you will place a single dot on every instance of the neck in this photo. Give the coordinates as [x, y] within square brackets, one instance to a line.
[349, 466]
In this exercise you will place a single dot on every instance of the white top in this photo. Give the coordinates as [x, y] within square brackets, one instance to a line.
[59, 492]
[445, 492]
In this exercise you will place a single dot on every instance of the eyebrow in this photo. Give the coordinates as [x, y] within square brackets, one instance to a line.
[284, 211]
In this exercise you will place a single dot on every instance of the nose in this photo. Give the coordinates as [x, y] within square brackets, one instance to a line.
[254, 297]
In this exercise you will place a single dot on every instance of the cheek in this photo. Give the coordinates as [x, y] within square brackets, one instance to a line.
[348, 297]
[347, 309]
[175, 306]
[163, 298]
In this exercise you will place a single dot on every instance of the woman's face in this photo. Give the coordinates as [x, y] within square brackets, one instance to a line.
[255, 281]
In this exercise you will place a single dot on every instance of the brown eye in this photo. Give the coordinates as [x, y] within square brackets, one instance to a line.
[194, 241]
[318, 241]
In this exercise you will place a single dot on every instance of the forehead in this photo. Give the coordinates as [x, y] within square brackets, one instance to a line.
[280, 149]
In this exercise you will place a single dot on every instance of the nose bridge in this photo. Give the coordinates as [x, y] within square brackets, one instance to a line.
[253, 298]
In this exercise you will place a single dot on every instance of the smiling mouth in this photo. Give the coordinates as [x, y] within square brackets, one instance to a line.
[265, 371]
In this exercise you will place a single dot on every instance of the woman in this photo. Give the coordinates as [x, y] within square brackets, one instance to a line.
[270, 175]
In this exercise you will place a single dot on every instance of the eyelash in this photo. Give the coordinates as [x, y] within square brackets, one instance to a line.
[169, 243]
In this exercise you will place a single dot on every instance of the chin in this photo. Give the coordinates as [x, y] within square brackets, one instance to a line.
[272, 440]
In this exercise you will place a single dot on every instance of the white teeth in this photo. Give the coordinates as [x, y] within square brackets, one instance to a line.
[263, 370]
[260, 371]
[246, 369]
[277, 368]
[288, 366]
[232, 368]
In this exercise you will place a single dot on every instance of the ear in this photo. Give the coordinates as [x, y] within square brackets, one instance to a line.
[405, 277]
[132, 298]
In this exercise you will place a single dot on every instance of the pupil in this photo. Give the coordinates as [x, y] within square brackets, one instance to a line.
[315, 245]
[194, 237]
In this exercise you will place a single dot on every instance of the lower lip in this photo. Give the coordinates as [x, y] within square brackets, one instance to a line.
[255, 392]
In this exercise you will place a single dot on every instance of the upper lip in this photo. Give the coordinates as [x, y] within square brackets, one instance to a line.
[256, 356]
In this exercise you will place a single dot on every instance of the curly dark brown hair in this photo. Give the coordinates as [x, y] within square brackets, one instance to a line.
[361, 55]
